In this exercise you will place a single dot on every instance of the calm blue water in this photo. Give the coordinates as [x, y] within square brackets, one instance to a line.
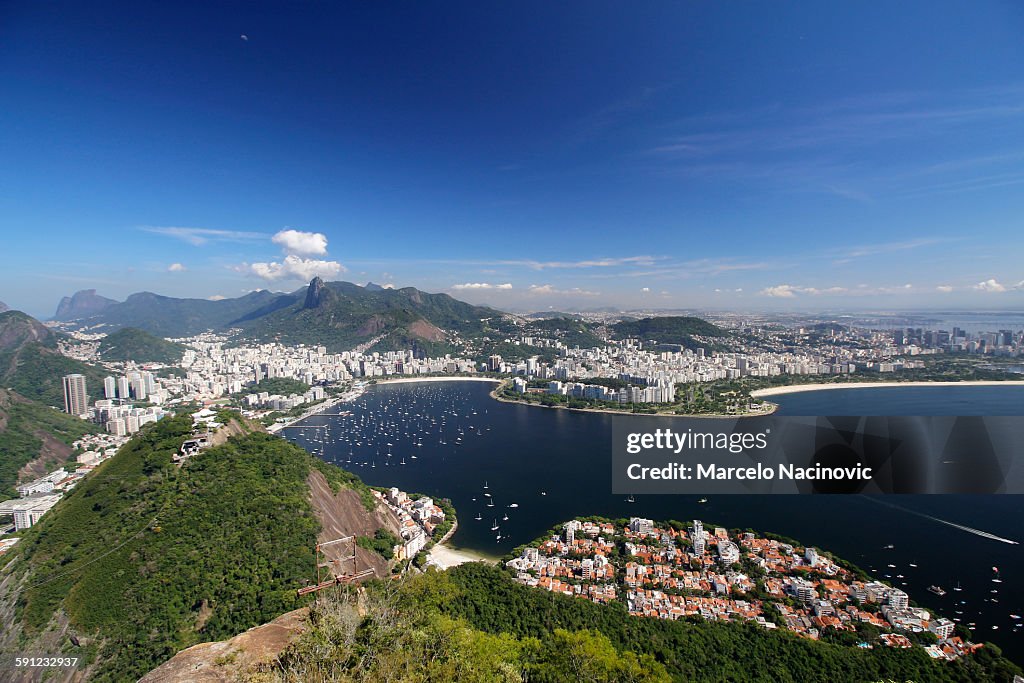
[556, 464]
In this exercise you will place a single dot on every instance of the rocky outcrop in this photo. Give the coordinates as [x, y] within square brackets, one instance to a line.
[315, 293]
[226, 660]
[82, 304]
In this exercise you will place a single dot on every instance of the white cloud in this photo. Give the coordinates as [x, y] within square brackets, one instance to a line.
[945, 289]
[293, 268]
[780, 291]
[301, 243]
[216, 297]
[646, 289]
[592, 263]
[482, 285]
[175, 268]
[200, 236]
[990, 285]
[548, 290]
[790, 291]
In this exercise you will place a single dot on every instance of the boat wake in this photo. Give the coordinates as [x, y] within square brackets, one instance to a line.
[961, 527]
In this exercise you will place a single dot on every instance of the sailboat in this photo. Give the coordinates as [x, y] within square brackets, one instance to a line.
[478, 517]
[494, 527]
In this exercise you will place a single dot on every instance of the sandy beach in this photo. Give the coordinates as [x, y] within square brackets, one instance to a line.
[794, 388]
[408, 380]
[446, 557]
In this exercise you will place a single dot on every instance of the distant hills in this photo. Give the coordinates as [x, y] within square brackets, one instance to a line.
[668, 329]
[343, 315]
[339, 315]
[33, 436]
[34, 439]
[4, 307]
[131, 343]
[82, 304]
[167, 316]
[31, 364]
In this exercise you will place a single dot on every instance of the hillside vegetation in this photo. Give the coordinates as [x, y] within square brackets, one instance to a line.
[31, 364]
[131, 343]
[341, 315]
[144, 558]
[474, 624]
[30, 430]
[668, 329]
[167, 316]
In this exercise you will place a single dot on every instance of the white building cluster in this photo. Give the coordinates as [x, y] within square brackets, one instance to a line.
[417, 520]
[124, 419]
[270, 401]
[213, 369]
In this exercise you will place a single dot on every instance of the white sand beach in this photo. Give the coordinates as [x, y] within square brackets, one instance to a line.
[408, 380]
[794, 388]
[446, 557]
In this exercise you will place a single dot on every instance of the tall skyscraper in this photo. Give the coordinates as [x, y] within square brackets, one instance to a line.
[109, 387]
[76, 400]
[122, 387]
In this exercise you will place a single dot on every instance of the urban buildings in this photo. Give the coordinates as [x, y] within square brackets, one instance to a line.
[76, 398]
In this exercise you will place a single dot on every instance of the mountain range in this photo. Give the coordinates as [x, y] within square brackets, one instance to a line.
[338, 315]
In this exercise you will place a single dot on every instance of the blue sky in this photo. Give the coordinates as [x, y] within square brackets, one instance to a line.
[701, 155]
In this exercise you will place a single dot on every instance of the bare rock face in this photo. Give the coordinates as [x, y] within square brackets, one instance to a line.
[315, 293]
[81, 304]
[225, 660]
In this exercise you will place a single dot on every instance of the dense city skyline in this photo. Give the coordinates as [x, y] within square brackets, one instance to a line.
[526, 158]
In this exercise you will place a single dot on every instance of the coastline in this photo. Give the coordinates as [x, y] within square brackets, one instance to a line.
[796, 388]
[445, 556]
[434, 378]
[608, 411]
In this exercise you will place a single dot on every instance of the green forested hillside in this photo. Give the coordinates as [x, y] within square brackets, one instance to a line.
[147, 558]
[172, 317]
[668, 329]
[474, 623]
[340, 315]
[28, 430]
[131, 343]
[401, 633]
[31, 364]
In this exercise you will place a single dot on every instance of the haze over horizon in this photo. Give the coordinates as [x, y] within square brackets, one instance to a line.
[526, 157]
